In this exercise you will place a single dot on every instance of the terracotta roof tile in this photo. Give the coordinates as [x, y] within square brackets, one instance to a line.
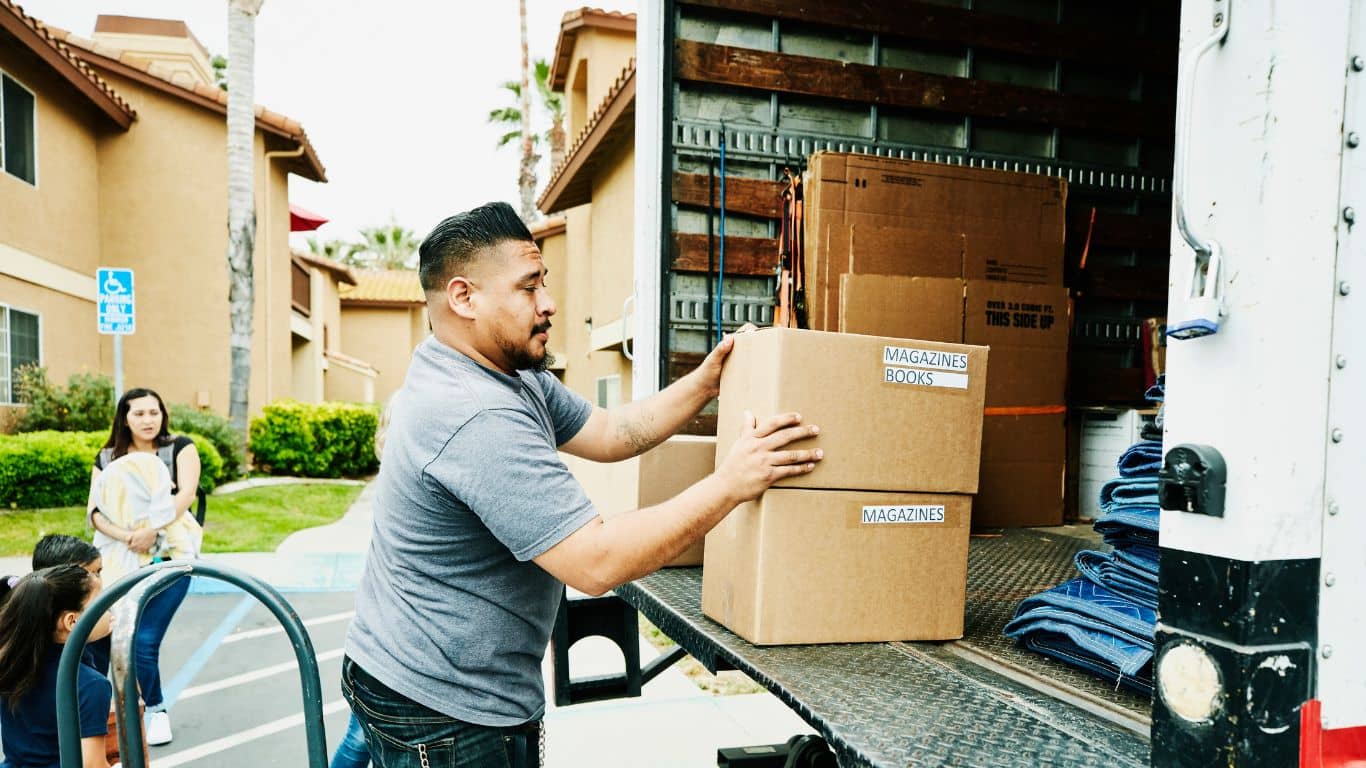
[102, 55]
[54, 41]
[384, 286]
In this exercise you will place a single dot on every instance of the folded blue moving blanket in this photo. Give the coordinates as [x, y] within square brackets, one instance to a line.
[1084, 623]
[1143, 459]
[1119, 576]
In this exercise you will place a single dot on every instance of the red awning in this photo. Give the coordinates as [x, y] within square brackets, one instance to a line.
[303, 220]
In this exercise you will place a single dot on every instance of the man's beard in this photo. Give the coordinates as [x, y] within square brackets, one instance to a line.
[522, 358]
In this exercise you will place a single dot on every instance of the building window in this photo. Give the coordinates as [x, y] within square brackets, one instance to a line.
[19, 346]
[18, 130]
[609, 391]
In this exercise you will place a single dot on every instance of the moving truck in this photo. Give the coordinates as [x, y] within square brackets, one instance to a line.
[1213, 174]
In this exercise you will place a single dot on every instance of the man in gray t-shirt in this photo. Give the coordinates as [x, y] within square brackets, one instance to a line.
[478, 524]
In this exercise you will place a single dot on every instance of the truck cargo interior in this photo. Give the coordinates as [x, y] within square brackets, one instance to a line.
[993, 172]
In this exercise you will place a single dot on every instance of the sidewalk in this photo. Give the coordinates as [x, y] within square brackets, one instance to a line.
[673, 723]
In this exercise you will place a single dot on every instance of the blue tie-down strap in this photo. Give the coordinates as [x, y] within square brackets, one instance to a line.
[1157, 393]
[1143, 459]
[1123, 491]
[1105, 569]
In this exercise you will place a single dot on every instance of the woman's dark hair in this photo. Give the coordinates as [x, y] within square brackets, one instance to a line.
[28, 620]
[60, 549]
[121, 437]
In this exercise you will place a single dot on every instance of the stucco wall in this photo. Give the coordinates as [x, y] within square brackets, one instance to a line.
[54, 220]
[575, 311]
[384, 337]
[606, 53]
[163, 208]
[63, 352]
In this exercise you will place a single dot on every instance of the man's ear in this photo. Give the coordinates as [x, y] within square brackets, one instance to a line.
[460, 296]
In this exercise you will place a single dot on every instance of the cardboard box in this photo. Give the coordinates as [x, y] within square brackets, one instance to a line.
[1010, 226]
[895, 414]
[1023, 462]
[909, 251]
[800, 566]
[1026, 327]
[928, 308]
[646, 480]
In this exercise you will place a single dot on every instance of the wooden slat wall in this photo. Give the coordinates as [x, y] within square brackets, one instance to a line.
[826, 78]
[752, 197]
[997, 32]
[753, 256]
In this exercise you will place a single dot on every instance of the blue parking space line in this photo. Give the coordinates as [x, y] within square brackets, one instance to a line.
[200, 658]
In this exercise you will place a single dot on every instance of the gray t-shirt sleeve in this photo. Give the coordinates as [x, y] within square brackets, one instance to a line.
[502, 466]
[569, 411]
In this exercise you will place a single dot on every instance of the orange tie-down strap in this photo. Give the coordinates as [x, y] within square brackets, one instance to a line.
[1026, 410]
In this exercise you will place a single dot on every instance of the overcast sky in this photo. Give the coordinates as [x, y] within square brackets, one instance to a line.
[394, 95]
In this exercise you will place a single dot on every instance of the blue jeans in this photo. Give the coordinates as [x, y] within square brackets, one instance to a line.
[404, 734]
[156, 619]
[352, 752]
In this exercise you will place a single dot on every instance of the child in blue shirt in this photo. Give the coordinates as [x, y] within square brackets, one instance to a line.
[38, 614]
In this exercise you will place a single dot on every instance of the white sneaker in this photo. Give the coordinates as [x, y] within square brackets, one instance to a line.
[158, 727]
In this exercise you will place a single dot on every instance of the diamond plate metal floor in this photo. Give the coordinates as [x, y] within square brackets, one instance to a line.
[968, 703]
[1003, 570]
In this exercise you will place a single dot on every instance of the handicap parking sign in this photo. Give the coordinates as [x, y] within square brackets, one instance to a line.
[115, 305]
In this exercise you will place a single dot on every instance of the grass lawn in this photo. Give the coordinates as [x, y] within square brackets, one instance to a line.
[253, 520]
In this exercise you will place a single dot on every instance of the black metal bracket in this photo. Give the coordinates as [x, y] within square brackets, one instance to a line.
[1192, 479]
[611, 617]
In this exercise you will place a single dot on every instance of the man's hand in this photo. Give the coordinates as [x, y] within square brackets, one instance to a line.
[142, 539]
[709, 372]
[760, 457]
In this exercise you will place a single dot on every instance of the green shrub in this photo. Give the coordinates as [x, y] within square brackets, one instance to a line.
[186, 420]
[52, 469]
[47, 468]
[210, 463]
[86, 403]
[315, 440]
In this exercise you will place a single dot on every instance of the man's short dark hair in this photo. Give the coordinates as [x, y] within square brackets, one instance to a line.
[453, 245]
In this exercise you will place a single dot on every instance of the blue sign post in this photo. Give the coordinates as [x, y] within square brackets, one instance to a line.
[117, 314]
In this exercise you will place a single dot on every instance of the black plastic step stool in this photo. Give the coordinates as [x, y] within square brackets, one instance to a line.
[611, 617]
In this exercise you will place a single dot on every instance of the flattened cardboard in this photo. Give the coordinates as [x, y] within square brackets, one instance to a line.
[1027, 329]
[904, 426]
[929, 308]
[1023, 463]
[913, 252]
[1011, 225]
[649, 479]
[800, 566]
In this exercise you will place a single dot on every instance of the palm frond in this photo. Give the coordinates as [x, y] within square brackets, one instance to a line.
[510, 115]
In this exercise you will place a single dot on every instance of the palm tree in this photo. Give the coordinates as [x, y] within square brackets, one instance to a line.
[526, 179]
[241, 199]
[388, 246]
[336, 250]
[553, 104]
